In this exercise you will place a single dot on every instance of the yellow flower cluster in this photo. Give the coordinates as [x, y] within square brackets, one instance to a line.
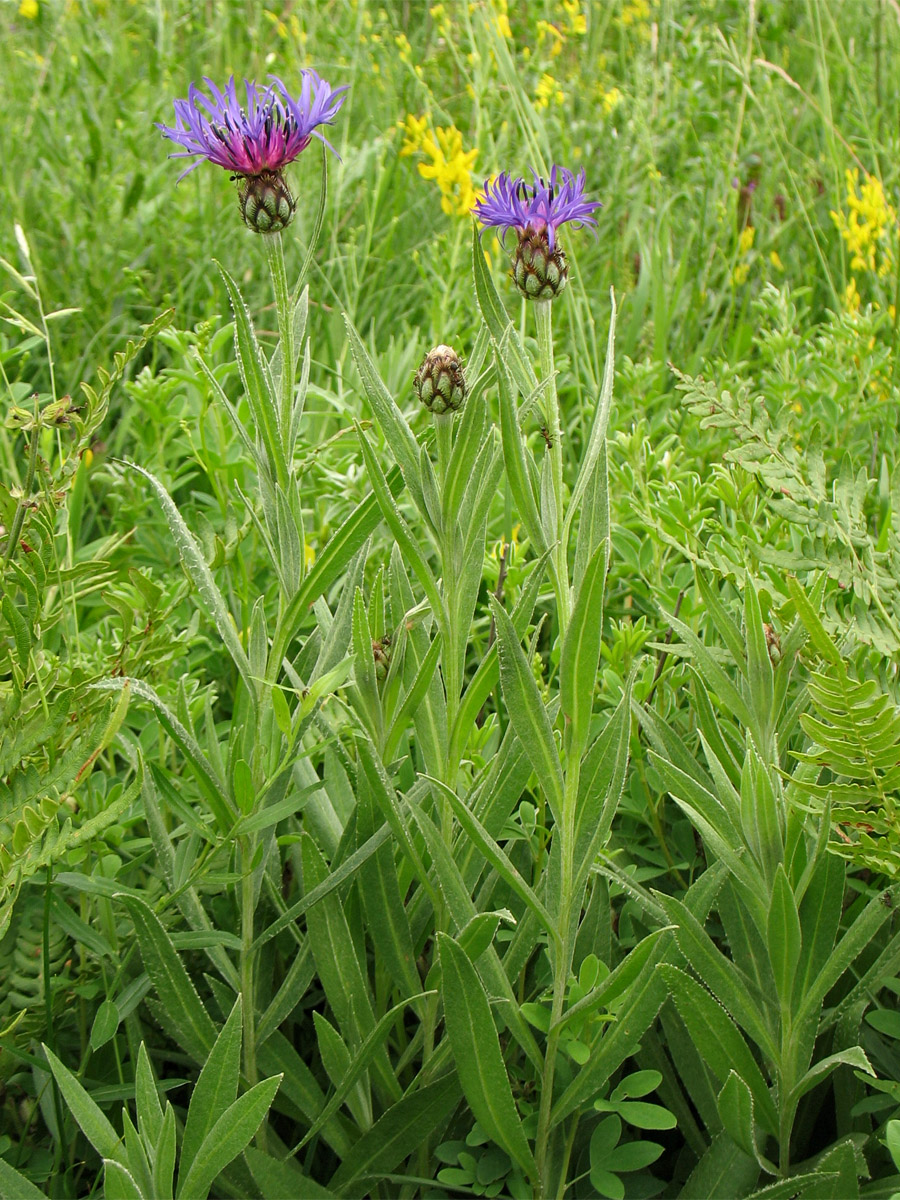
[635, 12]
[29, 9]
[609, 99]
[548, 89]
[745, 245]
[447, 163]
[867, 225]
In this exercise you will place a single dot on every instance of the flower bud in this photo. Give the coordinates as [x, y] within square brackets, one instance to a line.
[539, 271]
[267, 205]
[381, 652]
[440, 383]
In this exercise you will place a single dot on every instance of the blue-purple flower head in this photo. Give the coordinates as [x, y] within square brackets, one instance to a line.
[254, 132]
[535, 211]
[541, 206]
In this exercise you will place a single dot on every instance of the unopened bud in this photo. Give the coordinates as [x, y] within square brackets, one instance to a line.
[440, 383]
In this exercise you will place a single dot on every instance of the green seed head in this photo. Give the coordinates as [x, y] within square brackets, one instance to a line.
[439, 382]
[267, 205]
[540, 273]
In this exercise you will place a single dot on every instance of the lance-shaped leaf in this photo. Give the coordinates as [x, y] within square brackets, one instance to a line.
[227, 1138]
[476, 1051]
[257, 380]
[394, 426]
[202, 578]
[190, 1023]
[498, 322]
[581, 650]
[526, 711]
[94, 1125]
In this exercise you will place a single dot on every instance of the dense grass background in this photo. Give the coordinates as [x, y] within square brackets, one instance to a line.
[746, 156]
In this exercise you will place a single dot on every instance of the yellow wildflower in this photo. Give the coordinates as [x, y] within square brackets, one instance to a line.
[635, 12]
[402, 43]
[775, 260]
[851, 297]
[29, 9]
[501, 18]
[274, 19]
[577, 19]
[867, 224]
[416, 129]
[309, 555]
[548, 32]
[740, 273]
[745, 241]
[548, 89]
[451, 169]
[609, 99]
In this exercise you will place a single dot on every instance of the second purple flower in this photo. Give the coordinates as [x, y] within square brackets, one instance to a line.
[536, 211]
[254, 135]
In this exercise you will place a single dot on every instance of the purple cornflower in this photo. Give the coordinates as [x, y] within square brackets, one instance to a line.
[539, 206]
[255, 141]
[536, 210]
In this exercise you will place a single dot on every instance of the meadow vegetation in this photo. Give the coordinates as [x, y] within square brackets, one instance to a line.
[491, 802]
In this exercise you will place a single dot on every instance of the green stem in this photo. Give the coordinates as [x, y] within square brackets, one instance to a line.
[560, 560]
[248, 956]
[284, 307]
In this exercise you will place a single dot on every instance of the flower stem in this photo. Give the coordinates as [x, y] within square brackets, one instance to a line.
[248, 955]
[275, 255]
[560, 560]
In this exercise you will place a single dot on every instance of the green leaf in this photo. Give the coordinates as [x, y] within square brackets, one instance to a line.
[784, 936]
[497, 321]
[526, 711]
[724, 1172]
[394, 427]
[414, 697]
[396, 1135]
[361, 1059]
[853, 1056]
[164, 1160]
[580, 655]
[596, 447]
[497, 857]
[476, 1052]
[149, 1109]
[14, 1185]
[216, 1087]
[514, 456]
[257, 380]
[106, 1022]
[94, 1125]
[334, 950]
[202, 578]
[718, 1040]
[334, 880]
[715, 676]
[190, 1023]
[760, 676]
[600, 787]
[735, 1104]
[119, 1183]
[400, 529]
[211, 784]
[276, 1177]
[721, 976]
[227, 1139]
